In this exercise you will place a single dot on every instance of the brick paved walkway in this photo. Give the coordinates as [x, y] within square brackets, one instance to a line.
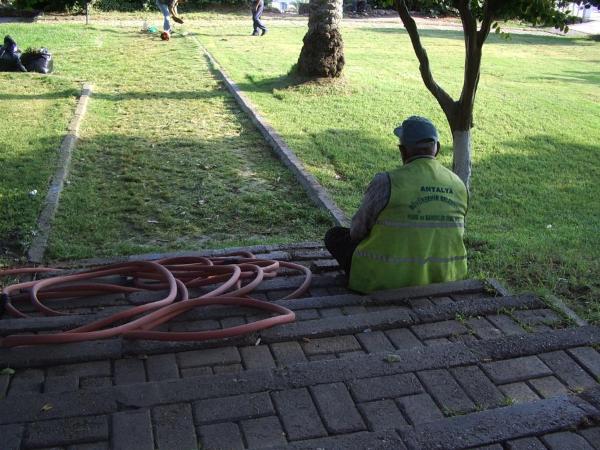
[447, 366]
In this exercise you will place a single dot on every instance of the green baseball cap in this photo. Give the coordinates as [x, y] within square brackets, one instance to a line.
[416, 130]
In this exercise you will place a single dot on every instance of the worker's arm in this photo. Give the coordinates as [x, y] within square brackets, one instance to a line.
[374, 201]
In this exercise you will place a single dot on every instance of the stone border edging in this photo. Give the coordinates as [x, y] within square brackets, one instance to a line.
[36, 251]
[316, 192]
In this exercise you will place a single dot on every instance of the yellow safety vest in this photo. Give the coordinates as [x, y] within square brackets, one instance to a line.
[418, 237]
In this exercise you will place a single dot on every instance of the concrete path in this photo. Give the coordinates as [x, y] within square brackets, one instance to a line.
[448, 366]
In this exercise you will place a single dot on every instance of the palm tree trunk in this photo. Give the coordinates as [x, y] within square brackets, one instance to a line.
[322, 54]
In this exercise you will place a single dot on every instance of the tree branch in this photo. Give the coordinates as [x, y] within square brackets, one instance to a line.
[446, 102]
[472, 63]
[486, 23]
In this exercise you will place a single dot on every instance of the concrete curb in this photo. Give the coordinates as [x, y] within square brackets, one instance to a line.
[44, 223]
[558, 304]
[315, 191]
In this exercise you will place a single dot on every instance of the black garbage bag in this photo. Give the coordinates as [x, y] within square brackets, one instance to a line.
[10, 56]
[37, 60]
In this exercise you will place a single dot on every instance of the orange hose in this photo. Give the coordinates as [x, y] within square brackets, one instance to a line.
[232, 278]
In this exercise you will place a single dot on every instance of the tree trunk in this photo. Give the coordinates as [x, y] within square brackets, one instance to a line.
[322, 54]
[461, 146]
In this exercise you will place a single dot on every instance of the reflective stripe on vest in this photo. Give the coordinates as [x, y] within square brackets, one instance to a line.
[418, 237]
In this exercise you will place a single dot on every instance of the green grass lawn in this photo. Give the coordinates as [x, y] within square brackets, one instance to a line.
[534, 219]
[166, 160]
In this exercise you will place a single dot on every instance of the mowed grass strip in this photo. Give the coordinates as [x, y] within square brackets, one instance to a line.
[166, 160]
[534, 217]
[35, 111]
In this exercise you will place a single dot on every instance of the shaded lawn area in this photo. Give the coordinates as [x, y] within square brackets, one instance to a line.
[534, 217]
[166, 161]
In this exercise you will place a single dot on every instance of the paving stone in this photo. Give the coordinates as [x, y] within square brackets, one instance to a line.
[369, 389]
[518, 393]
[196, 371]
[4, 382]
[30, 407]
[507, 325]
[375, 341]
[11, 436]
[264, 431]
[588, 358]
[132, 430]
[162, 367]
[336, 326]
[403, 338]
[489, 447]
[26, 381]
[331, 345]
[129, 371]
[288, 353]
[174, 427]
[230, 322]
[419, 408]
[337, 408]
[439, 329]
[236, 407]
[72, 430]
[67, 383]
[331, 312]
[209, 357]
[351, 355]
[382, 415]
[530, 443]
[381, 440]
[517, 369]
[322, 357]
[449, 395]
[95, 382]
[257, 357]
[567, 370]
[463, 338]
[592, 435]
[437, 289]
[230, 368]
[499, 424]
[566, 440]
[355, 309]
[537, 316]
[478, 386]
[85, 369]
[195, 325]
[438, 341]
[533, 344]
[91, 446]
[441, 300]
[548, 387]
[221, 436]
[307, 314]
[483, 329]
[42, 355]
[298, 414]
[422, 302]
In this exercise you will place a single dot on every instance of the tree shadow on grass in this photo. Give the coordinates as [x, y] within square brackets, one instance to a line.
[513, 38]
[574, 76]
[129, 193]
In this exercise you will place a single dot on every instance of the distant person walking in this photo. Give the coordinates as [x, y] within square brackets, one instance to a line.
[257, 9]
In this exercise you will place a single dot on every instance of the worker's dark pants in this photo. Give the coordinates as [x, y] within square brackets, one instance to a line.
[339, 244]
[256, 20]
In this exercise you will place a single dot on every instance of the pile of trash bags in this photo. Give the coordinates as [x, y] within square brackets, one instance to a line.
[13, 60]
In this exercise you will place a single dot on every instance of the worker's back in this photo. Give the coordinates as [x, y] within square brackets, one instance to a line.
[418, 237]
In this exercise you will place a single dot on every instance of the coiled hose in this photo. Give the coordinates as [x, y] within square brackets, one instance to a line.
[231, 277]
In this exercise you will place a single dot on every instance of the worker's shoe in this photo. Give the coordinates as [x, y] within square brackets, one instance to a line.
[255, 33]
[264, 32]
[177, 19]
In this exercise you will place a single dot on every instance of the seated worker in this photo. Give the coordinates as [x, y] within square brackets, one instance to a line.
[409, 228]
